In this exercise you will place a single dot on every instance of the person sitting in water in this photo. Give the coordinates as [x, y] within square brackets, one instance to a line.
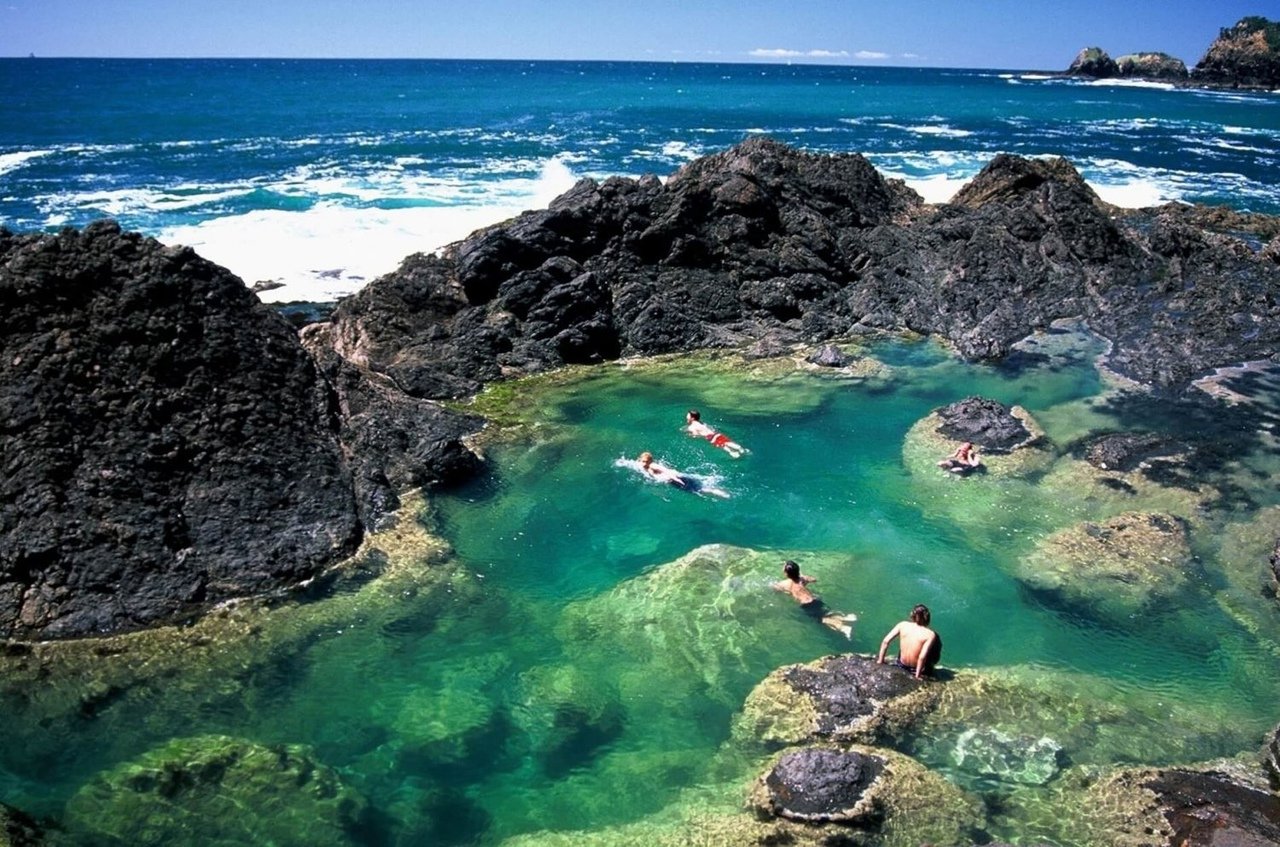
[919, 647]
[798, 587]
[963, 460]
[685, 482]
[697, 428]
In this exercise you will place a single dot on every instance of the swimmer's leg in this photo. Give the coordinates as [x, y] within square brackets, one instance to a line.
[839, 624]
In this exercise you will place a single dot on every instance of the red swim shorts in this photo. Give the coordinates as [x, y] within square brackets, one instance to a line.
[719, 440]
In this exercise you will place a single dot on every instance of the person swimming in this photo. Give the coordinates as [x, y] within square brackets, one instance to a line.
[685, 482]
[798, 587]
[695, 427]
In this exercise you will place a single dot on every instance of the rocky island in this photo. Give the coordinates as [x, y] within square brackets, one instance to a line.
[1245, 56]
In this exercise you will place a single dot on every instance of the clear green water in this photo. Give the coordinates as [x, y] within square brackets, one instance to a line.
[558, 674]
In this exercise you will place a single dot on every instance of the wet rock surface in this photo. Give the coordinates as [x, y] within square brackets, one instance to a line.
[847, 697]
[817, 784]
[989, 424]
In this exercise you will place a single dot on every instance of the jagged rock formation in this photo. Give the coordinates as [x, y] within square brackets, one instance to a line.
[1093, 62]
[1157, 66]
[764, 241]
[166, 441]
[1246, 55]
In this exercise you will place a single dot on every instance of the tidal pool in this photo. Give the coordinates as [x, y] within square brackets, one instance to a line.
[569, 669]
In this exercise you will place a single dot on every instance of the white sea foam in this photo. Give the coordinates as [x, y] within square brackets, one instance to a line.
[1036, 77]
[939, 130]
[13, 161]
[939, 188]
[1134, 83]
[332, 250]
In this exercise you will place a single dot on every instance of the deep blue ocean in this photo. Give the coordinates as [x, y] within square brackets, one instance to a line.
[323, 174]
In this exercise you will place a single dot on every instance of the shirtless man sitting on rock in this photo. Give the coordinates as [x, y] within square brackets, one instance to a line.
[919, 648]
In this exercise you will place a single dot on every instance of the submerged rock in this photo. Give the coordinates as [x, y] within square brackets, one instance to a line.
[17, 829]
[218, 790]
[990, 753]
[1111, 570]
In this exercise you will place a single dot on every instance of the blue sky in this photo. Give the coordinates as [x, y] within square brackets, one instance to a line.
[1026, 34]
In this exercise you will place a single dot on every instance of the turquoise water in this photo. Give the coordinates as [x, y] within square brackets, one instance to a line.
[556, 672]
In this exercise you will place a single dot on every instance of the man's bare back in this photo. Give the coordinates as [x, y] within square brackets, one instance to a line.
[919, 648]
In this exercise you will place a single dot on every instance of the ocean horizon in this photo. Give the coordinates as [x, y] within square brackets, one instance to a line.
[318, 175]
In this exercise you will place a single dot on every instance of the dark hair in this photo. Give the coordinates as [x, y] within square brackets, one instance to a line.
[791, 569]
[920, 615]
[693, 413]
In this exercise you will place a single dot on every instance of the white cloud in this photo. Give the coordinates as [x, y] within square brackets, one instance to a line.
[783, 53]
[870, 54]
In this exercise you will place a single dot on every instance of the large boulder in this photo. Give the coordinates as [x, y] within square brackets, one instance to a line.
[1093, 62]
[837, 698]
[1156, 66]
[17, 829]
[166, 442]
[862, 795]
[1246, 55]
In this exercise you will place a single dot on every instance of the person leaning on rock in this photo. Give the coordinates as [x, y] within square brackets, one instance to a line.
[919, 647]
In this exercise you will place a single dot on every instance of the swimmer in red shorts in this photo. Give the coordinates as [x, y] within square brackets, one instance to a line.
[697, 428]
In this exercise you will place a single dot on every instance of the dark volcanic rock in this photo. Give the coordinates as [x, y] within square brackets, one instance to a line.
[766, 242]
[166, 442]
[1274, 562]
[395, 441]
[1271, 758]
[17, 829]
[1123, 451]
[987, 423]
[1093, 62]
[1209, 808]
[1246, 55]
[821, 785]
[828, 356]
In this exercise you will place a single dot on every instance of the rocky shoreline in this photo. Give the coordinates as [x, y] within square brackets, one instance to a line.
[171, 444]
[164, 425]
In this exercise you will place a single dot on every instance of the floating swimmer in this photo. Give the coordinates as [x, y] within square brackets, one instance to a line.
[798, 587]
[684, 481]
[698, 429]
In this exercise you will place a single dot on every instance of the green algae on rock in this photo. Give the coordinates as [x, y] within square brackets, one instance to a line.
[219, 791]
[1113, 569]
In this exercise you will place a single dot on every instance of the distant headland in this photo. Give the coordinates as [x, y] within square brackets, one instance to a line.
[1246, 55]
